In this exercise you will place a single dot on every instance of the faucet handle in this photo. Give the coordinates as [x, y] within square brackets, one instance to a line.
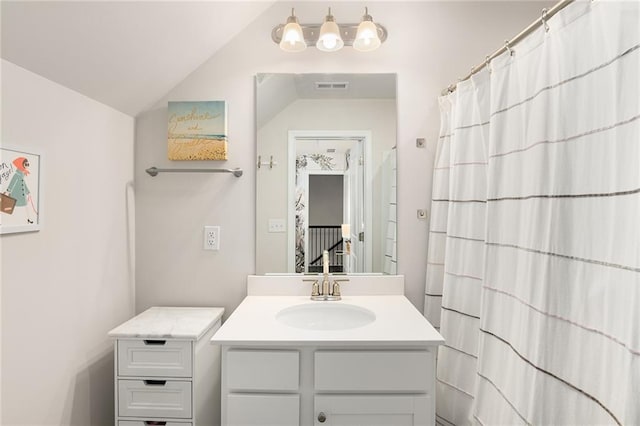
[336, 289]
[315, 288]
[336, 286]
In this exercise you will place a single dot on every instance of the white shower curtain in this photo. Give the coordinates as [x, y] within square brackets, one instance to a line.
[545, 329]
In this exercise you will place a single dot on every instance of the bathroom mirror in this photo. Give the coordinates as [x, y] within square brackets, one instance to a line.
[326, 173]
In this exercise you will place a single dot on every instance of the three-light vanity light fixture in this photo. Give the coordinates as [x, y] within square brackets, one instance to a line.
[329, 36]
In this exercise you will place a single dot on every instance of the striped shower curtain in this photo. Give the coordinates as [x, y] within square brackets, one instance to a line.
[534, 255]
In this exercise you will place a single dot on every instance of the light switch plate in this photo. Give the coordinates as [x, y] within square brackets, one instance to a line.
[277, 225]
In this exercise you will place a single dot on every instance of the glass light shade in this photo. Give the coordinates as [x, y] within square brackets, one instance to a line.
[292, 38]
[329, 40]
[367, 37]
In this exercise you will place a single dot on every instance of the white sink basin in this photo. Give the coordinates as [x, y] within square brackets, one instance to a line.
[325, 316]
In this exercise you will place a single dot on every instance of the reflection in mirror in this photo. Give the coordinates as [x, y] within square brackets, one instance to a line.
[326, 178]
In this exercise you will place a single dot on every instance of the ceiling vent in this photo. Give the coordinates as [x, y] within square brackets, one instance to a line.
[332, 85]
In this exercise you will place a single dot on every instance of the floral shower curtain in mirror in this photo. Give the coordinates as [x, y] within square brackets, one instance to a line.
[540, 305]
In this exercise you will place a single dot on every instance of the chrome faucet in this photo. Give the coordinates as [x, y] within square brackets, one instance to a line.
[326, 290]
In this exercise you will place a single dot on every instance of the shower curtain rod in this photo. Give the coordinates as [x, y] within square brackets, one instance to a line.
[542, 20]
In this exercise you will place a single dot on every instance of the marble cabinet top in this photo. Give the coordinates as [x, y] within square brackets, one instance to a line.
[169, 322]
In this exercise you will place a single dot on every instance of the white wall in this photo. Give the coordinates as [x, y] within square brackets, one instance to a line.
[66, 286]
[430, 44]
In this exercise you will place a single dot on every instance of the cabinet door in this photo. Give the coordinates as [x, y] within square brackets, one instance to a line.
[373, 410]
[262, 410]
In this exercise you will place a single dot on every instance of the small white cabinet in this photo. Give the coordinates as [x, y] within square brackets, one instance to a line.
[166, 372]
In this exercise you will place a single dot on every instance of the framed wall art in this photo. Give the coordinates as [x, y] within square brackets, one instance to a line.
[197, 130]
[20, 191]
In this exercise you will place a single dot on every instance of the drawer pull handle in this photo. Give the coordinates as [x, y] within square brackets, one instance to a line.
[155, 342]
[155, 382]
[322, 417]
[154, 423]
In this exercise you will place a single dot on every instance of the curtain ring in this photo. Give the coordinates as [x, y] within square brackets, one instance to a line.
[508, 47]
[487, 63]
[543, 19]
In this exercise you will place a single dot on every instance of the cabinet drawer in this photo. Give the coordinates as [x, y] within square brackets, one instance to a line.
[382, 371]
[256, 370]
[263, 410]
[155, 358]
[154, 398]
[152, 423]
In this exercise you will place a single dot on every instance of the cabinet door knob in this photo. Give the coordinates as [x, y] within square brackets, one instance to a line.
[322, 417]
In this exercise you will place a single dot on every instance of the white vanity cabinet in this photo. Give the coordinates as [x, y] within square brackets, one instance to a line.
[326, 386]
[289, 361]
[166, 372]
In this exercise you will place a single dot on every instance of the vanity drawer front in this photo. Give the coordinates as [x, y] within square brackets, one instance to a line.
[263, 410]
[256, 370]
[154, 358]
[154, 398]
[383, 371]
[152, 423]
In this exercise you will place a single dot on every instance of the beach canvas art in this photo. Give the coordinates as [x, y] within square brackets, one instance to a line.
[197, 130]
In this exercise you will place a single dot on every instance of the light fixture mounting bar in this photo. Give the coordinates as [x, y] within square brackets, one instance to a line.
[311, 32]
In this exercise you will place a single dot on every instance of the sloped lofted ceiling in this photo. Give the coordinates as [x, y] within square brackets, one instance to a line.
[125, 54]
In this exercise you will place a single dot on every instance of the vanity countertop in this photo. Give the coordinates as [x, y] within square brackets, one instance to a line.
[169, 322]
[398, 323]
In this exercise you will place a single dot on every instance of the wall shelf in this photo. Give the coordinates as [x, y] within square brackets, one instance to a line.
[153, 171]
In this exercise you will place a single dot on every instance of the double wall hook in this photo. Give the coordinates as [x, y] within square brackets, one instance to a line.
[271, 163]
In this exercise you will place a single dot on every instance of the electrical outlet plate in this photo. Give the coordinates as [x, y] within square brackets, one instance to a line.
[211, 238]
